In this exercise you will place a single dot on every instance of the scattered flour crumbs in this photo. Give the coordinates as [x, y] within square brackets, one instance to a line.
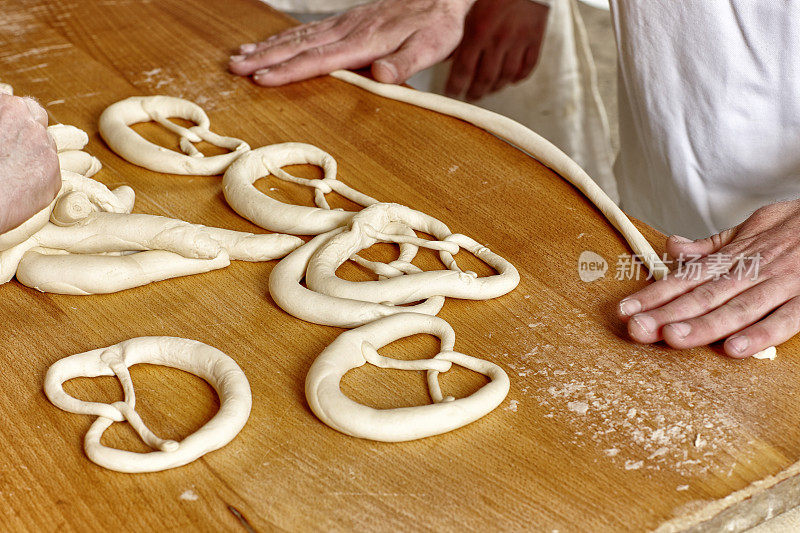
[622, 403]
[178, 84]
[189, 495]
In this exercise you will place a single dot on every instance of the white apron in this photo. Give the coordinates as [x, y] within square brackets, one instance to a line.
[709, 99]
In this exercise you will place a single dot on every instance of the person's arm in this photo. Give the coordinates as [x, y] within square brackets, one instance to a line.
[397, 37]
[501, 45]
[755, 306]
[29, 173]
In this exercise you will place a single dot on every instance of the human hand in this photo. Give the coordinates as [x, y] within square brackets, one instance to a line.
[501, 44]
[754, 311]
[398, 37]
[29, 173]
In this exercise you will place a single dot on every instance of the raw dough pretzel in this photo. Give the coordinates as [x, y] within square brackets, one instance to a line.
[270, 214]
[407, 283]
[356, 347]
[287, 292]
[529, 141]
[115, 128]
[210, 364]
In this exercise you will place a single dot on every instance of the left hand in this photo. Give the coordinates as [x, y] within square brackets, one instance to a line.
[754, 309]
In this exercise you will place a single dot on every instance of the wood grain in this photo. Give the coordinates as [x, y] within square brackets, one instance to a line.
[597, 433]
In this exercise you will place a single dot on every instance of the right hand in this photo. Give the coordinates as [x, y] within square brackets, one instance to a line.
[397, 37]
[29, 173]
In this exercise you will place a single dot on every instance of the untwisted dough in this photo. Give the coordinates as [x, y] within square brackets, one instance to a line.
[359, 346]
[94, 245]
[206, 362]
[115, 128]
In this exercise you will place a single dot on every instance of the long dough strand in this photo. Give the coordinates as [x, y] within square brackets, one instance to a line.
[529, 141]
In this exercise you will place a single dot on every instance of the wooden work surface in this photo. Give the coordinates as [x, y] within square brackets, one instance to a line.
[597, 433]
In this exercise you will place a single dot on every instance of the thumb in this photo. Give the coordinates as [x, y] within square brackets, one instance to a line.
[415, 54]
[678, 246]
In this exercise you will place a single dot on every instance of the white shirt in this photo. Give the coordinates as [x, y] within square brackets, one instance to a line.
[709, 110]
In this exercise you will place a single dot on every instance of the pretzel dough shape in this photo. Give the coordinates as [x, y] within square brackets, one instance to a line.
[369, 226]
[356, 347]
[300, 302]
[273, 215]
[115, 128]
[204, 361]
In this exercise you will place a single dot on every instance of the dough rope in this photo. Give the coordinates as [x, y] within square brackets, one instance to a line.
[115, 128]
[273, 215]
[357, 347]
[206, 362]
[529, 141]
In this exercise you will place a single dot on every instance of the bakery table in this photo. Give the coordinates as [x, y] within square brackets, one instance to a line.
[597, 433]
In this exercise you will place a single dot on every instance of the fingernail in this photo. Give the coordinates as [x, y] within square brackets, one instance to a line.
[629, 307]
[645, 322]
[390, 68]
[261, 72]
[247, 48]
[681, 328]
[739, 344]
[678, 238]
[236, 59]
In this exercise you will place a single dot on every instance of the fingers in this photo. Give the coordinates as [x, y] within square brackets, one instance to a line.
[312, 63]
[297, 32]
[512, 64]
[678, 246]
[417, 53]
[269, 54]
[530, 59]
[741, 311]
[486, 74]
[693, 275]
[462, 70]
[775, 329]
[646, 327]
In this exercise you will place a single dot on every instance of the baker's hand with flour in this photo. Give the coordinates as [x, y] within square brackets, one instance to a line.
[397, 37]
[744, 288]
[29, 174]
[501, 45]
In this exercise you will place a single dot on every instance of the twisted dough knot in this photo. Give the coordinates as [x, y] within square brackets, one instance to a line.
[127, 408]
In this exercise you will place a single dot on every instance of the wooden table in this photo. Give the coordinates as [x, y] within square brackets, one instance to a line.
[597, 433]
